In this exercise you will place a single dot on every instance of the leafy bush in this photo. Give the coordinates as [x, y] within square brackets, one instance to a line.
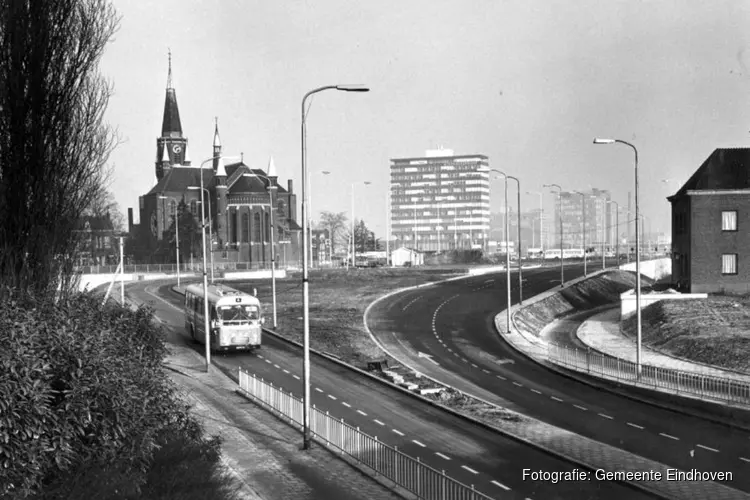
[82, 384]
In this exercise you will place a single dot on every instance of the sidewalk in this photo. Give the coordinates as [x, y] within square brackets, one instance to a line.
[262, 452]
[601, 332]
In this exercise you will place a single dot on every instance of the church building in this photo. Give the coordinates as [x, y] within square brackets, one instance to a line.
[240, 200]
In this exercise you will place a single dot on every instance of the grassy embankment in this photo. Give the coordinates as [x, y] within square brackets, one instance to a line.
[715, 331]
[87, 410]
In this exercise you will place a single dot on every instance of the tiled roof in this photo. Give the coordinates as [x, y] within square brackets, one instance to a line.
[725, 168]
[179, 178]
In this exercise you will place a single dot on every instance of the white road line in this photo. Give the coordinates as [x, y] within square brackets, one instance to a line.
[420, 444]
[668, 436]
[261, 356]
[707, 448]
[745, 459]
[637, 426]
[277, 366]
[534, 390]
[501, 377]
[346, 404]
[516, 383]
[361, 412]
[556, 399]
[444, 457]
[606, 416]
[469, 469]
[319, 389]
[268, 361]
[286, 371]
[485, 370]
[332, 397]
[379, 422]
[475, 366]
[501, 485]
[296, 376]
[581, 407]
[398, 432]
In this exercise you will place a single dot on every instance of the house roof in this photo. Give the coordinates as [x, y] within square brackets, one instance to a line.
[180, 178]
[725, 168]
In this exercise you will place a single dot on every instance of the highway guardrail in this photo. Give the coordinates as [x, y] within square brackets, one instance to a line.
[409, 473]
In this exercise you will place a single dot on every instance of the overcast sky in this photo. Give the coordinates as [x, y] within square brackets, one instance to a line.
[529, 84]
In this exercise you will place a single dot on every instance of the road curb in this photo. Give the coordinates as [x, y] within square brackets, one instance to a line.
[619, 388]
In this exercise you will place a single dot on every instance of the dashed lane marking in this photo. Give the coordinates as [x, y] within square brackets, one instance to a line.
[516, 383]
[361, 412]
[398, 432]
[475, 366]
[418, 443]
[606, 416]
[534, 390]
[581, 407]
[444, 457]
[277, 367]
[332, 397]
[707, 448]
[556, 399]
[286, 371]
[268, 361]
[319, 389]
[469, 469]
[500, 485]
[346, 404]
[745, 459]
[379, 422]
[668, 436]
[296, 376]
[485, 370]
[637, 426]
[501, 377]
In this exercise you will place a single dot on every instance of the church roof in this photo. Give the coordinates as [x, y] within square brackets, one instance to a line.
[241, 179]
[180, 178]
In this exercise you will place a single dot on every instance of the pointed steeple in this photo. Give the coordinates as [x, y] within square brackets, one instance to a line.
[217, 144]
[221, 171]
[165, 156]
[186, 161]
[170, 125]
[271, 171]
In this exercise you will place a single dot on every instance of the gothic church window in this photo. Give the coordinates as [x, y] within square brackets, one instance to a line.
[256, 227]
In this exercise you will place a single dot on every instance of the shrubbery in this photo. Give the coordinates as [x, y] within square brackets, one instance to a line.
[83, 391]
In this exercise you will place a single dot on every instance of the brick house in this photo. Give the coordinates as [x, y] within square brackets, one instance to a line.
[711, 225]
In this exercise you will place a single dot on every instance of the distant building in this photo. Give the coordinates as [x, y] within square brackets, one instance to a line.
[97, 241]
[598, 222]
[239, 197]
[405, 256]
[711, 225]
[440, 201]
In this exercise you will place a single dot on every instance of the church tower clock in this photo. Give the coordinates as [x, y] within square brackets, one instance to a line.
[171, 147]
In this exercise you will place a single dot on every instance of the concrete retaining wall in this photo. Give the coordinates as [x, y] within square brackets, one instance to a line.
[627, 300]
[655, 269]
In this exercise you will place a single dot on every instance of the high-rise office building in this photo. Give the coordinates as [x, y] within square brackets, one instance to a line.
[598, 221]
[440, 201]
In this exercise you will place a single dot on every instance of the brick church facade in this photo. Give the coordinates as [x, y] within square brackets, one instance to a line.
[239, 197]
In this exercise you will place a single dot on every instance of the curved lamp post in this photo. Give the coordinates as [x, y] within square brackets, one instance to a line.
[559, 199]
[637, 253]
[307, 438]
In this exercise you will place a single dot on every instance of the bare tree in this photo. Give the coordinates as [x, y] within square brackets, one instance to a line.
[103, 204]
[54, 143]
[336, 225]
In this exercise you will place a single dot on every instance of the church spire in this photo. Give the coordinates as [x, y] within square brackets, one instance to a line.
[170, 125]
[217, 144]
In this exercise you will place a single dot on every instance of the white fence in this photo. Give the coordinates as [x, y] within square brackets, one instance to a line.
[411, 474]
[695, 384]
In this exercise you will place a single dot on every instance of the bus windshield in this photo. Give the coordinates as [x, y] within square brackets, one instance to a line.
[239, 313]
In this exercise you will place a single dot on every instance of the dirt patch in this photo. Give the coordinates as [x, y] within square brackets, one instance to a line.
[715, 330]
[588, 294]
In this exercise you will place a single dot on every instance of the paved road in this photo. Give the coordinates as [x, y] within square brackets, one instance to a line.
[468, 453]
[470, 355]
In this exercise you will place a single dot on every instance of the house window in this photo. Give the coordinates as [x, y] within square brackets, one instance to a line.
[729, 220]
[729, 263]
[256, 227]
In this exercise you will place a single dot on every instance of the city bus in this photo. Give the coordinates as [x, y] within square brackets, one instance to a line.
[235, 317]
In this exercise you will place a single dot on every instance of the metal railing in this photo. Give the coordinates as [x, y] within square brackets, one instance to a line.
[411, 474]
[172, 268]
[609, 367]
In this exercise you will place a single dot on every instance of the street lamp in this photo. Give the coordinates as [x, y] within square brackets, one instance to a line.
[520, 277]
[305, 285]
[206, 325]
[583, 207]
[271, 188]
[637, 253]
[354, 239]
[210, 220]
[507, 250]
[617, 229]
[559, 199]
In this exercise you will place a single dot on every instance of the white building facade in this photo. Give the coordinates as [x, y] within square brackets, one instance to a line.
[440, 201]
